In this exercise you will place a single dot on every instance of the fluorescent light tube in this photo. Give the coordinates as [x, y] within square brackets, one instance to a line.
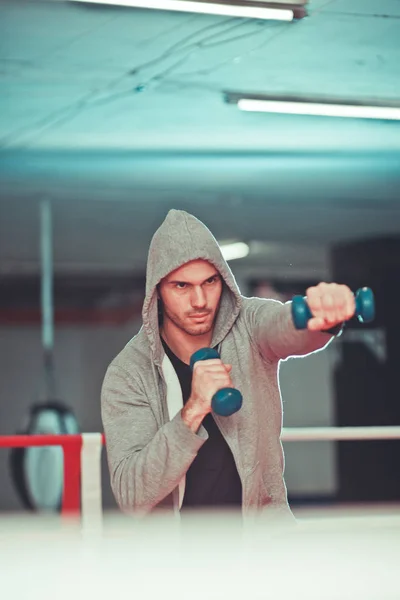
[230, 10]
[235, 250]
[320, 109]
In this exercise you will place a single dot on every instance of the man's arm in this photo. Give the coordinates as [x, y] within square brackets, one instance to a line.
[271, 328]
[271, 325]
[146, 463]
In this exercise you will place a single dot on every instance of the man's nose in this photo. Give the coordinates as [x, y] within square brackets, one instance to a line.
[198, 298]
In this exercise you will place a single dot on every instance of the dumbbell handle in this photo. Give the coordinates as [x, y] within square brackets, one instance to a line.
[365, 308]
[226, 401]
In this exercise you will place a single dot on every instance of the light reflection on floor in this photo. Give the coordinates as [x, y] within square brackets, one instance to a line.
[349, 553]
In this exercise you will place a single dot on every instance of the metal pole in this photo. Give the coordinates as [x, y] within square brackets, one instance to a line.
[46, 248]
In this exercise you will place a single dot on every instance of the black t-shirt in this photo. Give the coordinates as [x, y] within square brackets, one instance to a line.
[212, 479]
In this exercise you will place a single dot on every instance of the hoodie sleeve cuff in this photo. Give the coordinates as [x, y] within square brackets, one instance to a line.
[337, 330]
[186, 437]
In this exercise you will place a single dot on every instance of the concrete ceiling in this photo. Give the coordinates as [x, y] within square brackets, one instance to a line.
[118, 115]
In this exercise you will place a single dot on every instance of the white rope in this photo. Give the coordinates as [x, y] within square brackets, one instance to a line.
[308, 434]
[91, 493]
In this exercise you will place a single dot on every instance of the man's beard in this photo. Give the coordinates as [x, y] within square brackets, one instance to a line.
[195, 331]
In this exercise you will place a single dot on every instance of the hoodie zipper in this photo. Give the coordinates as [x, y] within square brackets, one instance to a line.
[164, 404]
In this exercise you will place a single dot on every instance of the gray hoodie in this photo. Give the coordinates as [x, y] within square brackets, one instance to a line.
[149, 447]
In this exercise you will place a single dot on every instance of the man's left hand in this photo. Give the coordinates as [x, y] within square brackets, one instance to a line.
[330, 304]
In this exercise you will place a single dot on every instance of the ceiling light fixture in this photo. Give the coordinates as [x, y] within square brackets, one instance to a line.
[244, 9]
[315, 106]
[234, 250]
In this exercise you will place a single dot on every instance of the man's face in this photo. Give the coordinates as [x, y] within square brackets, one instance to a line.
[190, 297]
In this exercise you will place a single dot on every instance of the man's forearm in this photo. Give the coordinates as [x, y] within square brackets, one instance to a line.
[192, 416]
[273, 329]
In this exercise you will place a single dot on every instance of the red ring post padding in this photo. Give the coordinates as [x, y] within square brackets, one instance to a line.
[71, 445]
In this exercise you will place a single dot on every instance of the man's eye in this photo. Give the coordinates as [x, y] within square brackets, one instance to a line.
[181, 286]
[212, 280]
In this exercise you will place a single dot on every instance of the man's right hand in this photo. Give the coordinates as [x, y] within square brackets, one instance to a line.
[209, 376]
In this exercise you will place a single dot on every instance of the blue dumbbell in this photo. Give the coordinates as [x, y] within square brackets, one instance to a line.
[365, 308]
[226, 401]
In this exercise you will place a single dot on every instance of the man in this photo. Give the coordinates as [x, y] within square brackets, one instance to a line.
[165, 447]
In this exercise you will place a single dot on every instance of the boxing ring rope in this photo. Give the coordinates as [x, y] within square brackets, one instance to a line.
[313, 434]
[82, 494]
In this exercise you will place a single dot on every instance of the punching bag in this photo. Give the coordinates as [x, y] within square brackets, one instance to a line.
[38, 472]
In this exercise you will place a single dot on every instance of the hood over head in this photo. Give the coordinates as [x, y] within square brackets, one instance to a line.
[180, 239]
